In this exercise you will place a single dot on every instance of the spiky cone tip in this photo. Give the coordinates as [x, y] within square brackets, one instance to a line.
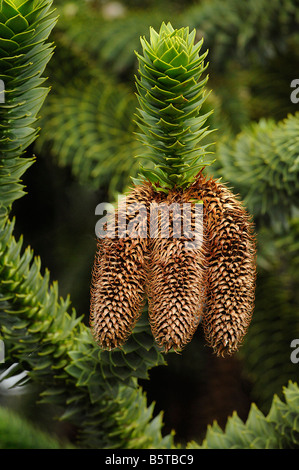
[170, 94]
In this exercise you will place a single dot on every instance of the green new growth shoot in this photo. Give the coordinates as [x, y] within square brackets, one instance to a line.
[170, 95]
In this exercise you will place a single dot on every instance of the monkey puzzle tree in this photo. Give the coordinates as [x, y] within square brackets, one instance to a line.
[214, 282]
[95, 389]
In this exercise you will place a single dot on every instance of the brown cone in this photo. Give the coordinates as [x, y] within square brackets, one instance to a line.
[231, 272]
[118, 279]
[176, 282]
[215, 281]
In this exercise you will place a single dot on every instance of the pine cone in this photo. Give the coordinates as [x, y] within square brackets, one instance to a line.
[176, 284]
[118, 278]
[231, 273]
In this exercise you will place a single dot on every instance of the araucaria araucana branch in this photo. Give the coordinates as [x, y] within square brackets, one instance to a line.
[212, 282]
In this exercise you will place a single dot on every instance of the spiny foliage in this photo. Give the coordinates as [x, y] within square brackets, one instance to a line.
[256, 32]
[112, 45]
[87, 128]
[246, 31]
[74, 388]
[276, 324]
[87, 384]
[262, 162]
[24, 55]
[54, 346]
[109, 42]
[170, 97]
[278, 430]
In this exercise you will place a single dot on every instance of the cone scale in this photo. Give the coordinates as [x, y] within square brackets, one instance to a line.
[213, 282]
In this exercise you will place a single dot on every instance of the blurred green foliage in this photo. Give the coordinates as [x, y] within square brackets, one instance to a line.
[85, 155]
[18, 433]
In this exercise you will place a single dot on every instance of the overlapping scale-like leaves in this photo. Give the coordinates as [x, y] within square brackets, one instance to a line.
[170, 94]
[40, 330]
[23, 57]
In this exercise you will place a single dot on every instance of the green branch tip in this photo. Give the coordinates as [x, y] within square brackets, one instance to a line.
[170, 93]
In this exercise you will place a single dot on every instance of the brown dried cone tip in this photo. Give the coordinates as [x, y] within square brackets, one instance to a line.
[176, 281]
[231, 273]
[118, 279]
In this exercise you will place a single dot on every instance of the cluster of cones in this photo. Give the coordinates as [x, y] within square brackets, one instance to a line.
[213, 284]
